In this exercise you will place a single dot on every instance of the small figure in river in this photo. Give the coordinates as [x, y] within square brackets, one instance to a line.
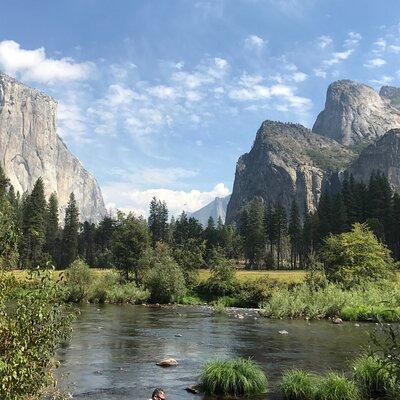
[158, 394]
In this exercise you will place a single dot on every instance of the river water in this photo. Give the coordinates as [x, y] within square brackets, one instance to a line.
[113, 349]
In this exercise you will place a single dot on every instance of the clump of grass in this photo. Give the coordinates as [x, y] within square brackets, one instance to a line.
[372, 377]
[127, 293]
[219, 308]
[237, 377]
[336, 387]
[298, 385]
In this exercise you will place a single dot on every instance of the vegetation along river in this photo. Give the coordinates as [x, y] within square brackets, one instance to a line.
[114, 349]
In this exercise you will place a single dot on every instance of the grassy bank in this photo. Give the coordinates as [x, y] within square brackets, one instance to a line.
[279, 294]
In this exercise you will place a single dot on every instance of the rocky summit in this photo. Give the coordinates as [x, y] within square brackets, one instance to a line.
[287, 161]
[30, 148]
[355, 113]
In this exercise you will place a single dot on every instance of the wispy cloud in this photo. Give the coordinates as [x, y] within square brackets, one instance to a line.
[375, 63]
[255, 42]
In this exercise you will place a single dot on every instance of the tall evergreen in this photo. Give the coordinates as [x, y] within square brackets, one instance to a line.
[279, 218]
[253, 232]
[34, 227]
[70, 233]
[86, 243]
[52, 243]
[295, 234]
[158, 221]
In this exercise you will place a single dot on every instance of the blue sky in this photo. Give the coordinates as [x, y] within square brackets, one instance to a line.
[162, 97]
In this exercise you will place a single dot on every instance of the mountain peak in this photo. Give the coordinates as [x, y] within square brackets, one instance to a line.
[355, 113]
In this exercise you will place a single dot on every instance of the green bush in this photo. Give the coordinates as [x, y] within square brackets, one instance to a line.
[162, 276]
[370, 313]
[222, 280]
[254, 293]
[236, 377]
[336, 387]
[31, 328]
[355, 257]
[298, 385]
[79, 280]
[372, 377]
[127, 293]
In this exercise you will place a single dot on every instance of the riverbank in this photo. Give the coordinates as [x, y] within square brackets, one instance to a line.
[276, 294]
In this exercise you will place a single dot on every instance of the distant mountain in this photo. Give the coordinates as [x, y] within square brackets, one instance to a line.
[216, 209]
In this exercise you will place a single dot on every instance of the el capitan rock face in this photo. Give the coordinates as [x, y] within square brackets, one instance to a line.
[287, 161]
[382, 155]
[30, 148]
[355, 113]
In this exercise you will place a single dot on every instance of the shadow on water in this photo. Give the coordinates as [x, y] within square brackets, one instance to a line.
[113, 350]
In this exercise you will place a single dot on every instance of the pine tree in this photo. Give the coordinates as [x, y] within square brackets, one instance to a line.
[86, 243]
[33, 226]
[253, 232]
[158, 221]
[70, 233]
[52, 243]
[4, 183]
[280, 221]
[295, 233]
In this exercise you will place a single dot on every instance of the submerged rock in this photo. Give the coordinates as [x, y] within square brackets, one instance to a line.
[194, 389]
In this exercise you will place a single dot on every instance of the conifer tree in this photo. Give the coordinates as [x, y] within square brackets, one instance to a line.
[253, 232]
[70, 233]
[295, 233]
[33, 226]
[158, 221]
[280, 221]
[52, 243]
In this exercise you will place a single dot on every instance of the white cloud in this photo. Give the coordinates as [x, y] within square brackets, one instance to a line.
[33, 65]
[394, 48]
[299, 76]
[380, 44]
[337, 57]
[324, 41]
[255, 42]
[278, 92]
[164, 92]
[118, 95]
[129, 198]
[320, 73]
[375, 63]
[383, 80]
[352, 40]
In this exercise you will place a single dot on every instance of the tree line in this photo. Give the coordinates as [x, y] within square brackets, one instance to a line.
[273, 237]
[265, 235]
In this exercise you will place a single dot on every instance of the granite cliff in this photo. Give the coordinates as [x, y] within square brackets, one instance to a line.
[287, 161]
[30, 148]
[355, 113]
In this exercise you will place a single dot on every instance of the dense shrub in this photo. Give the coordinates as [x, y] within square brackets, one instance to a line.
[336, 387]
[79, 280]
[162, 276]
[254, 293]
[372, 377]
[298, 385]
[30, 331]
[354, 257]
[222, 280]
[127, 293]
[236, 377]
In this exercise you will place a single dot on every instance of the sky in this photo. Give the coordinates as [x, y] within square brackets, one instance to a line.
[160, 98]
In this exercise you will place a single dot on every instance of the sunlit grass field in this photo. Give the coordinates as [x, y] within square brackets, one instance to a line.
[242, 275]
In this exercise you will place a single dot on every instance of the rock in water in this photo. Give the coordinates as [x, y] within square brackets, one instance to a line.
[355, 113]
[286, 161]
[168, 362]
[30, 148]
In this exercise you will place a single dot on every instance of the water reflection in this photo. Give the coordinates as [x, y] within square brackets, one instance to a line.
[113, 350]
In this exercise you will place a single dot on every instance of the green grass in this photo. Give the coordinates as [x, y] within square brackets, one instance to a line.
[372, 377]
[245, 275]
[336, 387]
[298, 385]
[236, 377]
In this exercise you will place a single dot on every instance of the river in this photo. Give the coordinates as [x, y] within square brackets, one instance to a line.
[113, 349]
